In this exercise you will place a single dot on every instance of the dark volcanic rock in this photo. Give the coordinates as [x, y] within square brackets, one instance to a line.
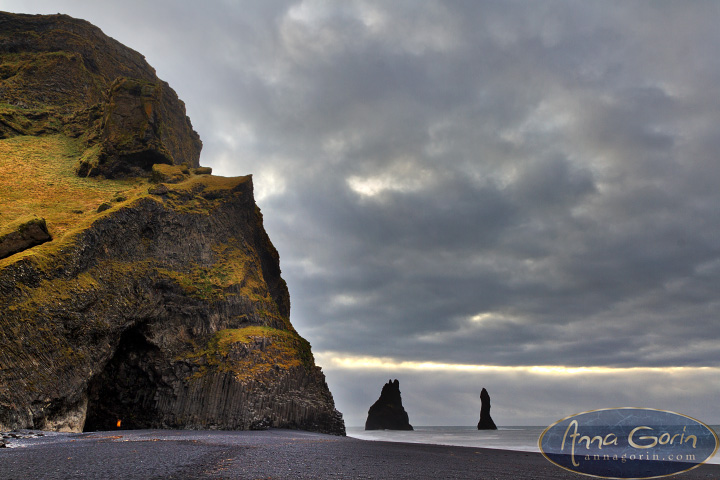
[486, 421]
[387, 413]
[131, 131]
[63, 75]
[23, 234]
[168, 312]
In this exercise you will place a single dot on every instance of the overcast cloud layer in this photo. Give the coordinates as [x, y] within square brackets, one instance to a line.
[466, 182]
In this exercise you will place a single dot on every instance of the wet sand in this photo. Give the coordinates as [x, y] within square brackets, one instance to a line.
[271, 454]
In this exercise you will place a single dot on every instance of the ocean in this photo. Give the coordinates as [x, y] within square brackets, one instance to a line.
[523, 439]
[507, 438]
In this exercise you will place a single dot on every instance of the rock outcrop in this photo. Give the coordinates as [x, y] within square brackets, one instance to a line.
[22, 234]
[388, 413]
[159, 305]
[63, 75]
[486, 421]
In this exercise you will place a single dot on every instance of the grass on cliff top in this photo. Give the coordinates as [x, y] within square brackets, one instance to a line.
[37, 177]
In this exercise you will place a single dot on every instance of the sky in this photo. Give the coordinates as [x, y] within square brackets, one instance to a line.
[514, 195]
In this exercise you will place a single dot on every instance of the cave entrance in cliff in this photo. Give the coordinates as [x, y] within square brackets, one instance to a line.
[144, 160]
[123, 394]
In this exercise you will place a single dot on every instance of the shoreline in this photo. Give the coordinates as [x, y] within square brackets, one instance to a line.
[274, 454]
[521, 439]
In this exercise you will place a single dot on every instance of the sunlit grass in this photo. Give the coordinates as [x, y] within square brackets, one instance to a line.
[37, 176]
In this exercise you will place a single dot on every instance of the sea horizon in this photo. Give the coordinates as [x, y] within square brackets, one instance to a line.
[520, 438]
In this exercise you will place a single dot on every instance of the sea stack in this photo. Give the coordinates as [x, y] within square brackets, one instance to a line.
[387, 413]
[486, 421]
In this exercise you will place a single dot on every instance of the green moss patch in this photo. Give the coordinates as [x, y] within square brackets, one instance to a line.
[252, 352]
[211, 185]
[234, 270]
[163, 173]
[198, 194]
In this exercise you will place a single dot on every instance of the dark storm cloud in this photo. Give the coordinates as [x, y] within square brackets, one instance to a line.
[504, 183]
[544, 178]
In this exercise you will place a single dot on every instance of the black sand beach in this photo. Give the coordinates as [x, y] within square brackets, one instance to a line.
[271, 454]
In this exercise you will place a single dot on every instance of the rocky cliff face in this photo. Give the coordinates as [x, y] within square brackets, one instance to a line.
[63, 75]
[156, 305]
[388, 413]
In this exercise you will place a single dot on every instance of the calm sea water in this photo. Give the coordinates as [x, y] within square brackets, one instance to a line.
[506, 438]
[524, 439]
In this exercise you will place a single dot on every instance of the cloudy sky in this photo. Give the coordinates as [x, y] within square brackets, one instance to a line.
[521, 196]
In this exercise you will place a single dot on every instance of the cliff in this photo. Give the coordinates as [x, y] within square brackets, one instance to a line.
[156, 299]
[388, 413]
[486, 421]
[63, 75]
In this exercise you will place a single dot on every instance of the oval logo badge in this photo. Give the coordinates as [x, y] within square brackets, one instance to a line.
[628, 443]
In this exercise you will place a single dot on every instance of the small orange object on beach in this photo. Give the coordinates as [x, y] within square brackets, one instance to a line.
[119, 423]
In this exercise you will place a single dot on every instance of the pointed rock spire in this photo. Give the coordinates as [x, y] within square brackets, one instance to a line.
[387, 413]
[486, 421]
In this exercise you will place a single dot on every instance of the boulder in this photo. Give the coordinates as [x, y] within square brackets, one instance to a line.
[162, 173]
[486, 421]
[388, 413]
[158, 190]
[23, 234]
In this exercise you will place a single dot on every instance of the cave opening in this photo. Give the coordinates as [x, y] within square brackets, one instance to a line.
[123, 395]
[142, 160]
